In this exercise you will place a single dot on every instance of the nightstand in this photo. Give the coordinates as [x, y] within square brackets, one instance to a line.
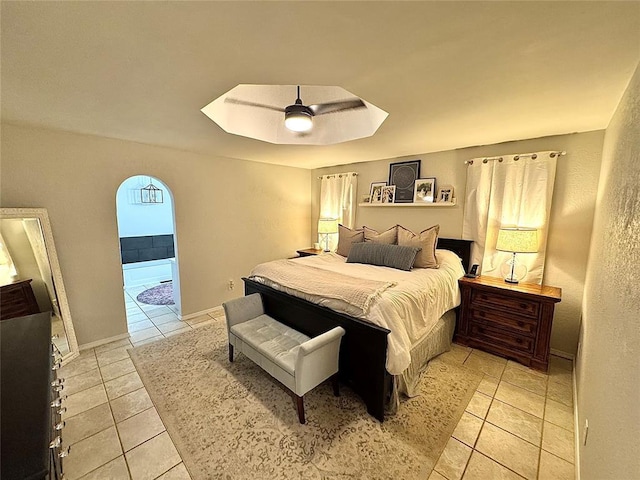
[510, 320]
[307, 252]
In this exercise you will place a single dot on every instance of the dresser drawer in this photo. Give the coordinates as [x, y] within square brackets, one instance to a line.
[491, 318]
[515, 305]
[495, 336]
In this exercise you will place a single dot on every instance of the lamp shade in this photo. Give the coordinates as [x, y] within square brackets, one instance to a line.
[328, 225]
[517, 240]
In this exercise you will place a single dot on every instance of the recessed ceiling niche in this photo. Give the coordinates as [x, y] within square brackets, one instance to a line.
[258, 111]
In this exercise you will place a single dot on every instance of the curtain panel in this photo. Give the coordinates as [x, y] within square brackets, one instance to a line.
[338, 200]
[516, 191]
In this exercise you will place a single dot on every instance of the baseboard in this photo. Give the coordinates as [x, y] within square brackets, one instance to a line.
[576, 419]
[87, 346]
[561, 354]
[216, 311]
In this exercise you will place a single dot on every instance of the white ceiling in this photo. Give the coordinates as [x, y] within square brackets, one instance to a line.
[450, 74]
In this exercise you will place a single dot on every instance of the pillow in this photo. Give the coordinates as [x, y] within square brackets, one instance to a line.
[347, 237]
[389, 237]
[426, 240]
[393, 256]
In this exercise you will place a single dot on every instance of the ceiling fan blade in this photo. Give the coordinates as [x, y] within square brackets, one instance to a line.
[235, 101]
[331, 107]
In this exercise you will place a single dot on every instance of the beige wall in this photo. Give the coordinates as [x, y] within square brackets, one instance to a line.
[230, 215]
[608, 363]
[571, 215]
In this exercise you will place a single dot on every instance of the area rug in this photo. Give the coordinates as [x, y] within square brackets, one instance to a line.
[159, 295]
[233, 421]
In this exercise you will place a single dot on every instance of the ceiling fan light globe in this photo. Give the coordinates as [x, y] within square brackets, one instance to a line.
[298, 121]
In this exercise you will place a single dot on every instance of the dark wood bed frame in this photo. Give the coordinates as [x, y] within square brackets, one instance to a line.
[363, 351]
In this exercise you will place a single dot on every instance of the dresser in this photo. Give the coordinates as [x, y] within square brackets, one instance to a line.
[307, 252]
[509, 320]
[30, 393]
[17, 299]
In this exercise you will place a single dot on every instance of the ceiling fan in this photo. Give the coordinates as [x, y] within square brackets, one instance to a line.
[299, 117]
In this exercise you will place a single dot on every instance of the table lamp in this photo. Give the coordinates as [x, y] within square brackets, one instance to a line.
[326, 227]
[516, 240]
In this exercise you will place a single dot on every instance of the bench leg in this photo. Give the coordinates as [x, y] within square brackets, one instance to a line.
[231, 353]
[336, 385]
[300, 405]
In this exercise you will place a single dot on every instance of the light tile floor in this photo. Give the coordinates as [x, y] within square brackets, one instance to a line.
[518, 424]
[152, 322]
[112, 426]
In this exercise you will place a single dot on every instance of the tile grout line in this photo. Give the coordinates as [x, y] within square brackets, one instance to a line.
[484, 422]
[544, 415]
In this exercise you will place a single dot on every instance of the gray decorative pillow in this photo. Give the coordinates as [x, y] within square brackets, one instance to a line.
[393, 256]
[389, 236]
[426, 240]
[347, 237]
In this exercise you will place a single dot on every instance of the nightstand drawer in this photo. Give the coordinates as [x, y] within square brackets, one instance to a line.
[523, 325]
[498, 337]
[510, 304]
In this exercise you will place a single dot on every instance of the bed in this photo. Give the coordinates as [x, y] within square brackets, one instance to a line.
[378, 358]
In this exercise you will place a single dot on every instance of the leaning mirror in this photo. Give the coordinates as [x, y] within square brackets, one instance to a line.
[30, 275]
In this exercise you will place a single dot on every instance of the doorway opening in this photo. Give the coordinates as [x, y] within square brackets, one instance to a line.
[148, 253]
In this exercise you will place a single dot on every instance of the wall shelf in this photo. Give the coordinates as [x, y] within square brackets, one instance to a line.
[435, 204]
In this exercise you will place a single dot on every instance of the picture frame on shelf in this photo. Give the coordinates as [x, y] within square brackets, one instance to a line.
[403, 175]
[424, 190]
[375, 192]
[388, 194]
[445, 194]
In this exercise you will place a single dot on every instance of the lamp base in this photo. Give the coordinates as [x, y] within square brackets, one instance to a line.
[326, 243]
[512, 271]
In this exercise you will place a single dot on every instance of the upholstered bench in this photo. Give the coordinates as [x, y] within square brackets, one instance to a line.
[298, 362]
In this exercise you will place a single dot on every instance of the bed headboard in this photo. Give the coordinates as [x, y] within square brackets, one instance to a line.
[462, 248]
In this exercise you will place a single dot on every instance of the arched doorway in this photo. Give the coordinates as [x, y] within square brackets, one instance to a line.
[146, 230]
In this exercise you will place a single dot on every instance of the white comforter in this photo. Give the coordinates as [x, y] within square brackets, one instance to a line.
[409, 309]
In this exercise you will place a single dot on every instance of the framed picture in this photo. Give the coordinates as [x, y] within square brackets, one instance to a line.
[388, 194]
[403, 176]
[424, 190]
[375, 193]
[445, 193]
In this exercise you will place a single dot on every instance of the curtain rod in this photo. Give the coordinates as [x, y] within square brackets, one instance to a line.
[339, 175]
[518, 157]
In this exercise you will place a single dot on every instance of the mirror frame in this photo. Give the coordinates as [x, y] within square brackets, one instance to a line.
[42, 215]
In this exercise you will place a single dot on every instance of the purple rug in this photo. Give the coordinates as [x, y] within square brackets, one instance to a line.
[160, 295]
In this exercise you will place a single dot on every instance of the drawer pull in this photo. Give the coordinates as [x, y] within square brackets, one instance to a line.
[58, 388]
[56, 365]
[56, 442]
[60, 426]
[65, 452]
[58, 401]
[57, 381]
